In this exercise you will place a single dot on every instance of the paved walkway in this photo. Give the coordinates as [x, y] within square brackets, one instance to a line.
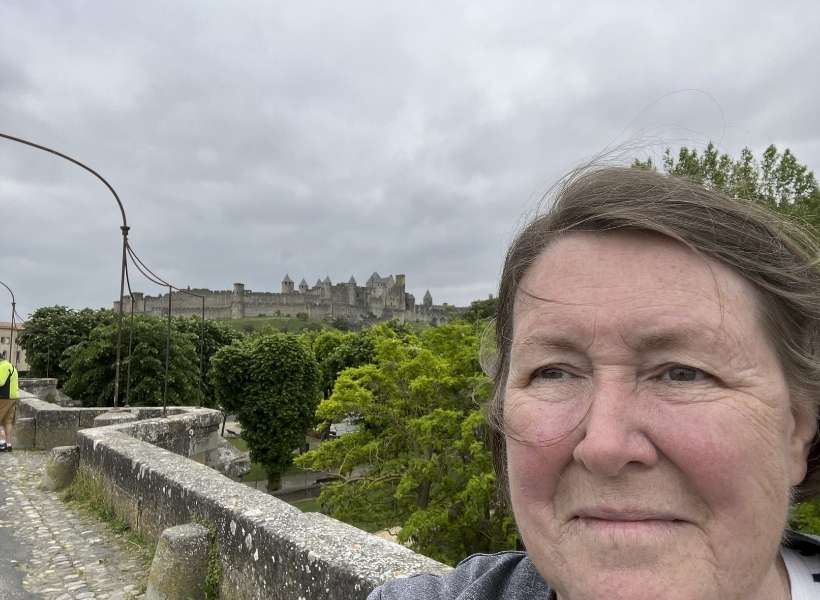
[51, 551]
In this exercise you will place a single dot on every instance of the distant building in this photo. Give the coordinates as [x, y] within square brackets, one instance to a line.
[18, 359]
[381, 298]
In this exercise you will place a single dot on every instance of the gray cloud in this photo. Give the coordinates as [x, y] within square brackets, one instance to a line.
[323, 138]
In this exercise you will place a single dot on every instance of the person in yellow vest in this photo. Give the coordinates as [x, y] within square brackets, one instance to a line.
[9, 394]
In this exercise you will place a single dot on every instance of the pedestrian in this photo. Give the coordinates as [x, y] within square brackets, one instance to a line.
[8, 401]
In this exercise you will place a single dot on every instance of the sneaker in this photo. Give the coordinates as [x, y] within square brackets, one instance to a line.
[8, 448]
[3, 446]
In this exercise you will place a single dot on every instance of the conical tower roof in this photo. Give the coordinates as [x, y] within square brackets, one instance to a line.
[352, 280]
[327, 279]
[287, 279]
[303, 283]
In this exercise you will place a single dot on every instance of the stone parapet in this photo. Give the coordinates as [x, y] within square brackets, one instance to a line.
[268, 548]
[51, 425]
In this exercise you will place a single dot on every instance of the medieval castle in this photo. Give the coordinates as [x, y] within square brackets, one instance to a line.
[381, 298]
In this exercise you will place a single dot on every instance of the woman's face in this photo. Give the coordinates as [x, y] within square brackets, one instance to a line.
[651, 440]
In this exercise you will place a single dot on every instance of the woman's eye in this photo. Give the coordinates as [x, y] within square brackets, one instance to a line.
[683, 374]
[551, 374]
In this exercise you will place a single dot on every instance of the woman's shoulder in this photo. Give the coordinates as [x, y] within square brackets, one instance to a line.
[509, 575]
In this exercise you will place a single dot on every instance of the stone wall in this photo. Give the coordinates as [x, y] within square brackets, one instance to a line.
[268, 548]
[41, 425]
[382, 297]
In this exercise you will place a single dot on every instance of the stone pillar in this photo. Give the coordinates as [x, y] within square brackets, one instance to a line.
[61, 467]
[24, 434]
[114, 418]
[180, 564]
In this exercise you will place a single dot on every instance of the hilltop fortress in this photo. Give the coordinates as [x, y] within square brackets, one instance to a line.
[381, 298]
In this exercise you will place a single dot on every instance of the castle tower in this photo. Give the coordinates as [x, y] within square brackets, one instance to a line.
[238, 301]
[351, 291]
[287, 285]
[427, 301]
[326, 288]
[303, 286]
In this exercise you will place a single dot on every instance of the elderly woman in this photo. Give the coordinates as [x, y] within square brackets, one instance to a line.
[655, 406]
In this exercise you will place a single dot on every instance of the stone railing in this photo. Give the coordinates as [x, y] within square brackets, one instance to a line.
[268, 549]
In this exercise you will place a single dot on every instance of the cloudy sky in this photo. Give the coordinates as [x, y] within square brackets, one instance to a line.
[252, 139]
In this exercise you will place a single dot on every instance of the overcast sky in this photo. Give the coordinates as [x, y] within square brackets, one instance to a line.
[252, 139]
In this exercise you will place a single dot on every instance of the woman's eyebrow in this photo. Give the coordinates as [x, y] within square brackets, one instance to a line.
[676, 338]
[666, 339]
[545, 341]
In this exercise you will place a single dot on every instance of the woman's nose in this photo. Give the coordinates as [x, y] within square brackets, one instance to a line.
[615, 431]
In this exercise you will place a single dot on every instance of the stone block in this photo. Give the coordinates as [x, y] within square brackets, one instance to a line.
[24, 433]
[61, 467]
[57, 427]
[115, 417]
[180, 564]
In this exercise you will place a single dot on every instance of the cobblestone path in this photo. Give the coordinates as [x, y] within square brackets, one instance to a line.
[66, 554]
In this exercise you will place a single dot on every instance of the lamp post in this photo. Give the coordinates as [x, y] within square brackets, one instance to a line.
[124, 228]
[11, 336]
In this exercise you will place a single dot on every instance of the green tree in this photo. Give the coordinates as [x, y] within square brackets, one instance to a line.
[418, 459]
[91, 363]
[210, 336]
[50, 331]
[481, 310]
[335, 354]
[271, 383]
[777, 180]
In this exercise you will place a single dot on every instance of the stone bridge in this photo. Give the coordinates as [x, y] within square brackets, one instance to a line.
[152, 474]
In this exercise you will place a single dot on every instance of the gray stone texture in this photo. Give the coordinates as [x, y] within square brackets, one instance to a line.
[114, 417]
[269, 549]
[24, 433]
[60, 552]
[61, 467]
[180, 564]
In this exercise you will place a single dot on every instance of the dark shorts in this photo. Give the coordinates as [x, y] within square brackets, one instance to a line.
[7, 408]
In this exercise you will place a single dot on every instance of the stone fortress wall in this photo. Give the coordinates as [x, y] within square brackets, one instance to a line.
[381, 298]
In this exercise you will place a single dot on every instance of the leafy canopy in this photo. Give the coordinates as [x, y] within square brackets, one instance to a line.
[50, 331]
[271, 383]
[419, 458]
[777, 179]
[91, 363]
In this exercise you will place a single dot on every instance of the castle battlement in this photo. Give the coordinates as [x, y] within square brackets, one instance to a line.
[381, 298]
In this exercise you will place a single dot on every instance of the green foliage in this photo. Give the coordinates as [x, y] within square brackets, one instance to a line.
[805, 517]
[777, 179]
[264, 325]
[213, 576]
[336, 351]
[91, 363]
[215, 335]
[271, 384]
[50, 331]
[419, 459]
[481, 310]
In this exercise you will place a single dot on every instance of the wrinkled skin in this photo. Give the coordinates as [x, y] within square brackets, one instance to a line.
[652, 440]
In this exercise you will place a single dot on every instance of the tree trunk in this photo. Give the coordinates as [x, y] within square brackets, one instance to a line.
[274, 481]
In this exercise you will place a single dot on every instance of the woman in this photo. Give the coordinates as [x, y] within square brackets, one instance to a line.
[656, 400]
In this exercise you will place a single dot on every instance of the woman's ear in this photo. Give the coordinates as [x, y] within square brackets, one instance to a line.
[803, 438]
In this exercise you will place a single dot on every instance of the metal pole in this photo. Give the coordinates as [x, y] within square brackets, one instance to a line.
[130, 346]
[167, 357]
[124, 230]
[202, 358]
[11, 338]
